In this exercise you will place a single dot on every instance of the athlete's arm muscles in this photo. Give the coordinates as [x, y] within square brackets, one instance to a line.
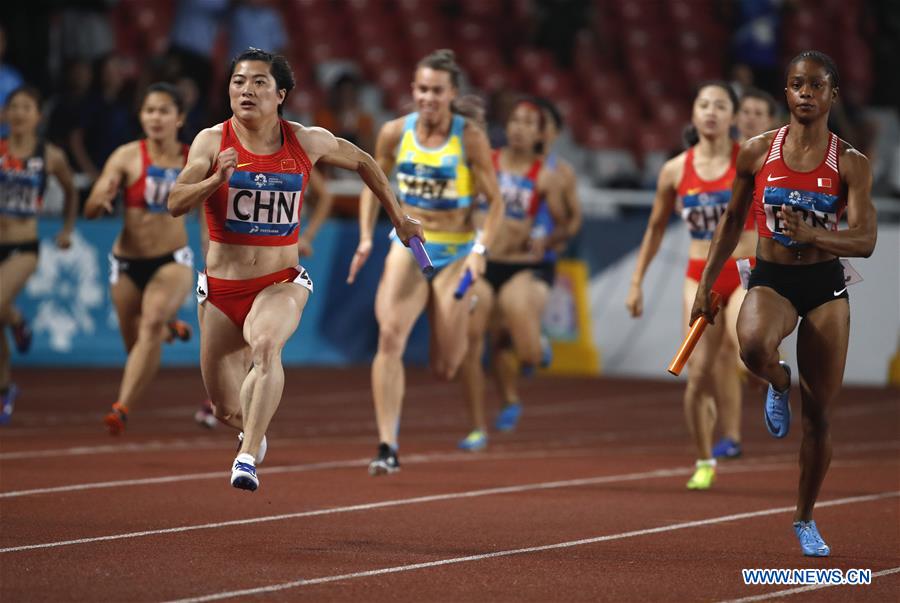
[385, 148]
[478, 152]
[858, 239]
[344, 154]
[106, 187]
[58, 165]
[731, 225]
[195, 182]
[552, 189]
[663, 206]
[321, 209]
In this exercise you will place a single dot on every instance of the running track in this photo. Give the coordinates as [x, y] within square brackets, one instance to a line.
[585, 502]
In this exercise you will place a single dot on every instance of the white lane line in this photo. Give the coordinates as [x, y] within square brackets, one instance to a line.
[437, 457]
[154, 445]
[582, 405]
[411, 459]
[805, 589]
[590, 481]
[534, 549]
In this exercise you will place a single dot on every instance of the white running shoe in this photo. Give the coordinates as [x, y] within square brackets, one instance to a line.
[263, 447]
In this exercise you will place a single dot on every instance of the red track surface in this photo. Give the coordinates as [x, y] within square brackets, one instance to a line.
[319, 517]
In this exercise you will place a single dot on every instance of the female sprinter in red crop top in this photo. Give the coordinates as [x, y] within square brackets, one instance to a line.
[799, 180]
[250, 173]
[699, 181]
[150, 263]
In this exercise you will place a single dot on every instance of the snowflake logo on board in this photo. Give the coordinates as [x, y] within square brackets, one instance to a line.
[66, 288]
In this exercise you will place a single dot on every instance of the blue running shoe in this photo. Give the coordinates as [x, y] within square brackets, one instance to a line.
[475, 441]
[726, 448]
[778, 408]
[509, 417]
[8, 403]
[811, 542]
[243, 473]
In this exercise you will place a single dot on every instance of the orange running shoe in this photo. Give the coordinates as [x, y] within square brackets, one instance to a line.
[116, 419]
[178, 329]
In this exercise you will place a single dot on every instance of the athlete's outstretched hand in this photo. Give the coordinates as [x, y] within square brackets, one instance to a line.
[635, 300]
[64, 239]
[304, 246]
[363, 250]
[475, 263]
[226, 162]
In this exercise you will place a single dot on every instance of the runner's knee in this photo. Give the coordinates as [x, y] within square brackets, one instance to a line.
[151, 327]
[391, 340]
[756, 354]
[265, 350]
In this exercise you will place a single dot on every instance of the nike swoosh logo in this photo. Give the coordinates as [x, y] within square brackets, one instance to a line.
[240, 165]
[768, 179]
[836, 293]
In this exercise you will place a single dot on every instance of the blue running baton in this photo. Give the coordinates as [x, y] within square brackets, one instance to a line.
[464, 283]
[418, 249]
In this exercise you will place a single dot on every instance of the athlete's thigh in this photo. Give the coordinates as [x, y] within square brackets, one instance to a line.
[222, 360]
[127, 299]
[730, 315]
[449, 317]
[14, 273]
[516, 300]
[166, 291]
[276, 313]
[480, 313]
[402, 292]
[765, 318]
[822, 341]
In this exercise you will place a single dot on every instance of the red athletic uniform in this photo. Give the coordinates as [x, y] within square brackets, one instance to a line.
[151, 190]
[818, 194]
[703, 203]
[259, 206]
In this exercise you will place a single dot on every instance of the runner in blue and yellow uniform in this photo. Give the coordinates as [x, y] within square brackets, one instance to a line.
[441, 158]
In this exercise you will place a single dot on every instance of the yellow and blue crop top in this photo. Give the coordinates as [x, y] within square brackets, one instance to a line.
[434, 179]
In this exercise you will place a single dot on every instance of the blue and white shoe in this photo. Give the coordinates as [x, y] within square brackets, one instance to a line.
[243, 473]
[263, 447]
[778, 408]
[726, 448]
[475, 441]
[8, 402]
[811, 542]
[509, 417]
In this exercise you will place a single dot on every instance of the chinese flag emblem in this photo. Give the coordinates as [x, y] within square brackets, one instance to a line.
[290, 164]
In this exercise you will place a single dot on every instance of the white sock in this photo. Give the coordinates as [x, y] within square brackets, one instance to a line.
[245, 458]
[706, 463]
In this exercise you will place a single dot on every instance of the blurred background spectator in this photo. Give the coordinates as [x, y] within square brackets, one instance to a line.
[622, 73]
